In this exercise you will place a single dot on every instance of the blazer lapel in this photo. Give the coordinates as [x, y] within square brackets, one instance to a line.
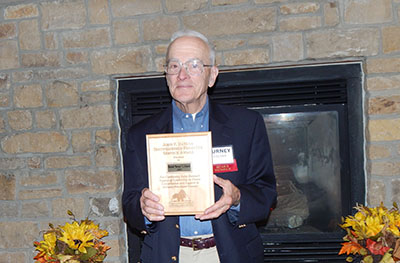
[221, 131]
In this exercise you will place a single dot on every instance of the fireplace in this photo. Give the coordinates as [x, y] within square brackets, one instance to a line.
[314, 120]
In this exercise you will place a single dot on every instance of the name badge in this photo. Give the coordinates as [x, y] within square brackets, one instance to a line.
[223, 160]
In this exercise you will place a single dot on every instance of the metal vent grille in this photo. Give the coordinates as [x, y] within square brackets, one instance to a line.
[304, 251]
[251, 95]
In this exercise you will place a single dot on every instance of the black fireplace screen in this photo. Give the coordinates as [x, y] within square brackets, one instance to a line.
[313, 116]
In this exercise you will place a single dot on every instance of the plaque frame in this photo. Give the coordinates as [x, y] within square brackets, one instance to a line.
[180, 171]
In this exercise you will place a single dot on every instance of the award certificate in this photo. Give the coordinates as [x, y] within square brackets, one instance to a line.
[180, 171]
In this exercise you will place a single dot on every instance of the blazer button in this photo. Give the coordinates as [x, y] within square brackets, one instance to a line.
[173, 258]
[177, 226]
[143, 232]
[243, 225]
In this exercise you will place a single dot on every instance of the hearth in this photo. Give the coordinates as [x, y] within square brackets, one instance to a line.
[314, 119]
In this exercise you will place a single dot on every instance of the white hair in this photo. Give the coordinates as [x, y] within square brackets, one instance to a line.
[192, 33]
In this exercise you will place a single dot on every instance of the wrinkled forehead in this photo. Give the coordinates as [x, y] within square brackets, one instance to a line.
[188, 47]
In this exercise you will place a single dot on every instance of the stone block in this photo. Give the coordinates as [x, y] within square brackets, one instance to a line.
[45, 119]
[29, 35]
[90, 181]
[40, 178]
[68, 14]
[227, 2]
[62, 205]
[21, 11]
[42, 59]
[375, 152]
[31, 194]
[384, 105]
[15, 235]
[86, 117]
[268, 1]
[20, 120]
[4, 99]
[12, 257]
[331, 12]
[342, 43]
[39, 142]
[2, 125]
[126, 31]
[299, 23]
[60, 74]
[160, 28]
[61, 94]
[383, 83]
[35, 209]
[113, 226]
[4, 82]
[384, 129]
[96, 97]
[106, 156]
[367, 11]
[384, 168]
[96, 85]
[395, 191]
[34, 162]
[7, 30]
[23, 76]
[161, 49]
[96, 37]
[299, 8]
[8, 209]
[228, 44]
[28, 96]
[98, 12]
[117, 247]
[102, 207]
[246, 21]
[77, 57]
[60, 162]
[174, 6]
[287, 47]
[124, 8]
[124, 60]
[106, 137]
[50, 40]
[81, 141]
[9, 55]
[247, 57]
[391, 39]
[260, 40]
[8, 186]
[376, 192]
[12, 163]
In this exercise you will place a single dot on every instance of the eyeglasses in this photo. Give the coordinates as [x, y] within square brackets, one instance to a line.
[194, 67]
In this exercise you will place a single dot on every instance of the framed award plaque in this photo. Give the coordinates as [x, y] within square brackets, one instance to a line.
[180, 171]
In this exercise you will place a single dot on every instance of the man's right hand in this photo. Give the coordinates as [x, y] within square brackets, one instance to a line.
[151, 208]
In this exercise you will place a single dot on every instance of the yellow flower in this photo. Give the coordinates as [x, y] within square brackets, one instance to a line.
[76, 236]
[48, 244]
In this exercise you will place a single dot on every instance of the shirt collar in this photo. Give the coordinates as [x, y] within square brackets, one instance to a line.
[178, 113]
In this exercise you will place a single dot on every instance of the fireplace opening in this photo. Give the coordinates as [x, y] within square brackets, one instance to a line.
[314, 120]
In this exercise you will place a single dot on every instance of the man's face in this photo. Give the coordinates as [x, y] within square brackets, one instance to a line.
[190, 90]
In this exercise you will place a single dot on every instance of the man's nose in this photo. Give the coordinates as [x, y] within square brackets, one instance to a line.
[183, 74]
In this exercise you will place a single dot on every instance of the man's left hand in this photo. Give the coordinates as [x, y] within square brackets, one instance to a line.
[230, 196]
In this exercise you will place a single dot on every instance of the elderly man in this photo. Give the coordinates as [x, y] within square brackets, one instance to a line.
[226, 231]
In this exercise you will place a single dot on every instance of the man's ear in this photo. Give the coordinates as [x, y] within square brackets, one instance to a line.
[213, 76]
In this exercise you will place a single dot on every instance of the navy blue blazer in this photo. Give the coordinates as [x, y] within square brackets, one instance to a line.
[229, 125]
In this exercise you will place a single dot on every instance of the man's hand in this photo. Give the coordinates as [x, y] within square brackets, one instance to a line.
[151, 208]
[230, 196]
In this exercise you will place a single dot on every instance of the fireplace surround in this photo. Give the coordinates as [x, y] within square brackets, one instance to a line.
[314, 118]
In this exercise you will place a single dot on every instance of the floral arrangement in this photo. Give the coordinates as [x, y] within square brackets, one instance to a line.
[372, 234]
[72, 243]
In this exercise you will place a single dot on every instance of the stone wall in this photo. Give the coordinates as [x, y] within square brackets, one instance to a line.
[58, 59]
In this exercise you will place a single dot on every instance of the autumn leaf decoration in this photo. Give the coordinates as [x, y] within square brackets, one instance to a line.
[372, 234]
[76, 242]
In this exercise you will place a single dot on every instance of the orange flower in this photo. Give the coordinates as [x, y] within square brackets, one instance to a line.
[350, 248]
